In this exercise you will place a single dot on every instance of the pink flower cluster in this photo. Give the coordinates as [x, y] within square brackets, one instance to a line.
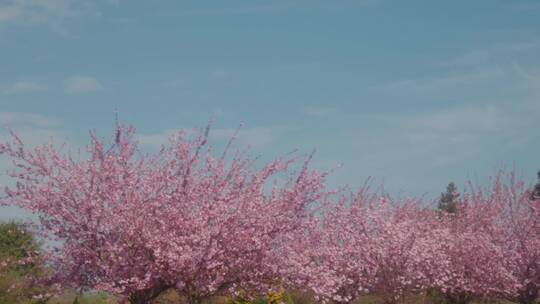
[136, 224]
[368, 244]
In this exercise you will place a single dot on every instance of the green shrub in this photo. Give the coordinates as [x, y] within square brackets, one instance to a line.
[19, 270]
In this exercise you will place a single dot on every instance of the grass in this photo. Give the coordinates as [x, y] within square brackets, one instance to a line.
[88, 298]
[172, 297]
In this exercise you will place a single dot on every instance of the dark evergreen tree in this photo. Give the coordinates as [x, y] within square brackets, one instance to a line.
[535, 194]
[449, 199]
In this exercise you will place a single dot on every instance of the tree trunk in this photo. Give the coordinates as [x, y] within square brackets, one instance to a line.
[194, 299]
[529, 294]
[147, 295]
[459, 299]
[526, 298]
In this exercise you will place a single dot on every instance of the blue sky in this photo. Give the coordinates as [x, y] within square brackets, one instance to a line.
[415, 93]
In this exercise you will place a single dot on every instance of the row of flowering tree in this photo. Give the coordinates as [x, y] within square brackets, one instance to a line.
[136, 224]
[366, 243]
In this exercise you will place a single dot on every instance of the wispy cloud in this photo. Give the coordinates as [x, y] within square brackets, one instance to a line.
[492, 106]
[23, 87]
[418, 151]
[463, 119]
[493, 53]
[436, 83]
[318, 111]
[9, 12]
[232, 10]
[49, 12]
[55, 14]
[473, 113]
[156, 139]
[82, 84]
[525, 6]
[30, 119]
[256, 138]
[182, 84]
[219, 74]
[487, 75]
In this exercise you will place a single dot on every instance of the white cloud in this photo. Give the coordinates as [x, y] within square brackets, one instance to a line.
[437, 83]
[82, 84]
[50, 12]
[23, 87]
[418, 152]
[156, 139]
[488, 118]
[472, 118]
[478, 66]
[477, 113]
[182, 84]
[492, 54]
[232, 10]
[33, 129]
[9, 12]
[219, 74]
[470, 125]
[55, 14]
[318, 111]
[525, 6]
[257, 138]
[27, 119]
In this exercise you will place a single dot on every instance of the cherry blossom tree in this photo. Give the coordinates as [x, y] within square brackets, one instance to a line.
[136, 224]
[476, 267]
[508, 213]
[369, 244]
[366, 244]
[403, 249]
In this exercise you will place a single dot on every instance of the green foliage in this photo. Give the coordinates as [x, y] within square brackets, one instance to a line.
[15, 241]
[18, 270]
[278, 297]
[169, 297]
[369, 299]
[88, 298]
[95, 298]
[300, 297]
